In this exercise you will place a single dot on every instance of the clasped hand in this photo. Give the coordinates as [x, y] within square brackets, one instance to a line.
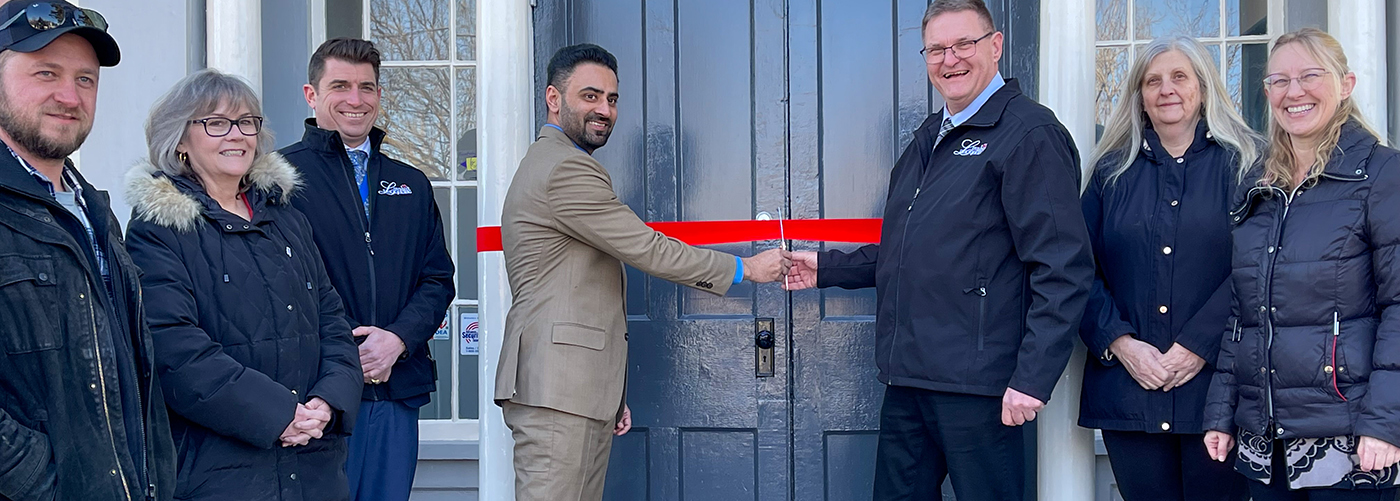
[1154, 370]
[309, 422]
[767, 266]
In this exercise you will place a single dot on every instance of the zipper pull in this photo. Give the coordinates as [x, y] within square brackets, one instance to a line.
[915, 199]
[367, 240]
[1336, 324]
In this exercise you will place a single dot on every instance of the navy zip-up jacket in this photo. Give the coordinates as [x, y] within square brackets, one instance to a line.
[1158, 232]
[984, 263]
[393, 270]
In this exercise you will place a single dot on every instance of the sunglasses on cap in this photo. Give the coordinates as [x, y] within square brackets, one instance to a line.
[43, 16]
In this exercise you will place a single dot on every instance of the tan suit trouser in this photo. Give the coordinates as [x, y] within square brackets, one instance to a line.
[558, 456]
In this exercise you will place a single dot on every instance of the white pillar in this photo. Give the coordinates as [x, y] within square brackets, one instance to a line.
[1394, 66]
[234, 38]
[1360, 26]
[1065, 452]
[506, 73]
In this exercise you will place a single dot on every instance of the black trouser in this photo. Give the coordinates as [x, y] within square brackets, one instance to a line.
[928, 435]
[1277, 488]
[1166, 467]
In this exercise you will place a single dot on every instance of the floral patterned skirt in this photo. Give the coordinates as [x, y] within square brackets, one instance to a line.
[1312, 462]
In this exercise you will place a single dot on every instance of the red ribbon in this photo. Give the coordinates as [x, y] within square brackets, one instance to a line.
[864, 231]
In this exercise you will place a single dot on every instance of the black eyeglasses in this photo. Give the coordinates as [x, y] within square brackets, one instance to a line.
[220, 126]
[44, 16]
[961, 50]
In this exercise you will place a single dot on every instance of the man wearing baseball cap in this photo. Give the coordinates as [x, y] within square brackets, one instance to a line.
[81, 414]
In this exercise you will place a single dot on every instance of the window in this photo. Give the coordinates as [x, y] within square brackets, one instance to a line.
[1237, 32]
[429, 112]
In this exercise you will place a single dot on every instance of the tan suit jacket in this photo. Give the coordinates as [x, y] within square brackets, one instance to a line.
[566, 237]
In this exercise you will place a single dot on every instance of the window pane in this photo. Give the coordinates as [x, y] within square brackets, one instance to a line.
[1112, 19]
[440, 349]
[409, 30]
[1214, 49]
[1110, 68]
[466, 30]
[467, 391]
[414, 113]
[466, 242]
[1247, 17]
[1244, 77]
[1158, 18]
[466, 124]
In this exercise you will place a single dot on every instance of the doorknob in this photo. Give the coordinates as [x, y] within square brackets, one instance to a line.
[763, 342]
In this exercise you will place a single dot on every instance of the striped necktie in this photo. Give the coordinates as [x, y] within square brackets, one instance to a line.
[943, 130]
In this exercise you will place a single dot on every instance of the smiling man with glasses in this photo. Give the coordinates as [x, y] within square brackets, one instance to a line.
[81, 416]
[981, 275]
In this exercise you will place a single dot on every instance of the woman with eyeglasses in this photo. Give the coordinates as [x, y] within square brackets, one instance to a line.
[255, 358]
[1309, 381]
[1156, 207]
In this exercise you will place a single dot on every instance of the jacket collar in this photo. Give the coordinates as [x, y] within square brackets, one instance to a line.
[1152, 143]
[1354, 148]
[328, 141]
[177, 202]
[994, 107]
[554, 134]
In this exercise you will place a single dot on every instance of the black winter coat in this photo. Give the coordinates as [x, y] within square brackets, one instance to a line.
[393, 271]
[1158, 232]
[64, 420]
[983, 265]
[1315, 346]
[246, 326]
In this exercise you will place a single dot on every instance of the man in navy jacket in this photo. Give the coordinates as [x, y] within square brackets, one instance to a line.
[981, 275]
[381, 237]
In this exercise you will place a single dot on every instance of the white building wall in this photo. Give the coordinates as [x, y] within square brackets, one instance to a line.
[1360, 25]
[158, 44]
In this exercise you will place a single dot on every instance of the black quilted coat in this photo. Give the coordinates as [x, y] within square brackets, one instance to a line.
[1313, 347]
[246, 326]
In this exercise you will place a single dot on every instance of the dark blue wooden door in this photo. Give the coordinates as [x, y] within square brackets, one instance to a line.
[731, 108]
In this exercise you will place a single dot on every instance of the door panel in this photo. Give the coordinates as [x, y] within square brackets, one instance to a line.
[862, 124]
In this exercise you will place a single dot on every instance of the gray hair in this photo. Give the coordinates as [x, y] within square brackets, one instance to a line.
[194, 97]
[1122, 135]
[940, 7]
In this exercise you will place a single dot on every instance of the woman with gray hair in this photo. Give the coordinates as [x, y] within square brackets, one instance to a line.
[252, 348]
[1157, 209]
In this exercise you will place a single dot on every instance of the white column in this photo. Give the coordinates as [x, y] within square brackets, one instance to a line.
[506, 72]
[1065, 452]
[234, 38]
[1360, 26]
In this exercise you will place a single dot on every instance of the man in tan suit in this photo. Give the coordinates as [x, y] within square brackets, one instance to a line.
[566, 236]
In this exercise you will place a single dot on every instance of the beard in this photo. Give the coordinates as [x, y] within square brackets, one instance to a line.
[575, 126]
[27, 132]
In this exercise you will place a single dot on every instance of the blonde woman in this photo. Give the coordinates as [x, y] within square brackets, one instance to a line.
[1156, 207]
[1309, 385]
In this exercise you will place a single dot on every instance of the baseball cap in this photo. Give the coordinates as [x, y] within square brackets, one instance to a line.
[27, 26]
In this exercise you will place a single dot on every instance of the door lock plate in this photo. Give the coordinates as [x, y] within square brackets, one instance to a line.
[763, 342]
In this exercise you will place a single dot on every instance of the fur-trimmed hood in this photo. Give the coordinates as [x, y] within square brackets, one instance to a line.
[156, 198]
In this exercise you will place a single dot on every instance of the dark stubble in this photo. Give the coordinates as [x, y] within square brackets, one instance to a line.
[27, 132]
[575, 126]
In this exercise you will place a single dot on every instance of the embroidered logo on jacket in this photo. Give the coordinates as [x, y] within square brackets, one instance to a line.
[971, 147]
[392, 188]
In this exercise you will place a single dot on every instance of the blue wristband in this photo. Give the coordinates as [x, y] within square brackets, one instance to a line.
[738, 269]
